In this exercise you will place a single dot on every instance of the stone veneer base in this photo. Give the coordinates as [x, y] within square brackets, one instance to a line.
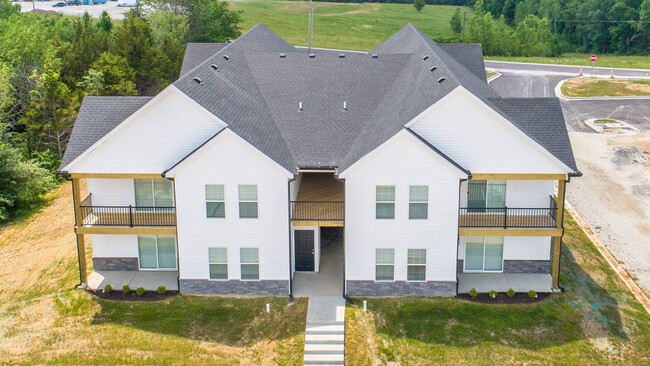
[234, 287]
[401, 288]
[115, 264]
[518, 266]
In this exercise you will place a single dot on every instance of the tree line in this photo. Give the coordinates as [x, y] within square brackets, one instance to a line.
[48, 63]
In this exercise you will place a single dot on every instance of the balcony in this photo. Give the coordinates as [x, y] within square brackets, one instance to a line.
[319, 201]
[317, 211]
[126, 216]
[506, 217]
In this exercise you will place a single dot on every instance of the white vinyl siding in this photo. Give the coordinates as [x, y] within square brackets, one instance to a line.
[250, 268]
[248, 201]
[484, 253]
[385, 206]
[218, 263]
[418, 202]
[416, 265]
[153, 193]
[385, 265]
[215, 205]
[157, 252]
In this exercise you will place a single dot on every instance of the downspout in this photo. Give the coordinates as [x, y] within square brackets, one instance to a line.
[460, 188]
[67, 178]
[289, 226]
[559, 262]
[178, 264]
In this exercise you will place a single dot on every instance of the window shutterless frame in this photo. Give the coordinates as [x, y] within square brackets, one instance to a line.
[416, 265]
[384, 265]
[248, 201]
[385, 202]
[215, 201]
[418, 202]
[218, 264]
[249, 259]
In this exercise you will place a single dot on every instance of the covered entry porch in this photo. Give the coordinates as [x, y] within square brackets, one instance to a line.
[502, 282]
[328, 279]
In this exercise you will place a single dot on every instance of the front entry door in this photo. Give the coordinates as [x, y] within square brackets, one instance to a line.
[304, 243]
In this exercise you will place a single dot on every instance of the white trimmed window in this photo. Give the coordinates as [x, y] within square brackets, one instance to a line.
[417, 265]
[483, 194]
[248, 201]
[157, 252]
[385, 264]
[385, 202]
[218, 262]
[484, 253]
[215, 205]
[250, 263]
[418, 202]
[153, 193]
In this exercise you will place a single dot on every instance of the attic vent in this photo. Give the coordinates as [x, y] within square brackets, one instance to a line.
[283, 55]
[433, 68]
[214, 67]
[225, 57]
[198, 80]
[300, 105]
[441, 80]
[374, 55]
[341, 55]
[311, 55]
[426, 57]
[345, 105]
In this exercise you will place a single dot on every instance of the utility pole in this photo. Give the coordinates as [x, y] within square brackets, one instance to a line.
[464, 12]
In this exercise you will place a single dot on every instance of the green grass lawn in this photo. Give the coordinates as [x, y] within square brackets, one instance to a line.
[597, 321]
[582, 59]
[588, 87]
[343, 26]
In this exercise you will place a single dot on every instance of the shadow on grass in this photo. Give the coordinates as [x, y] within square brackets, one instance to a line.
[223, 320]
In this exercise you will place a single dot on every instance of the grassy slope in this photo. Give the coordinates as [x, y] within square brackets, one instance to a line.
[42, 320]
[584, 87]
[582, 59]
[597, 321]
[343, 26]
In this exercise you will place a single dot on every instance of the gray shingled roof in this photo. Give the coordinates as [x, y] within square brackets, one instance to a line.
[195, 53]
[97, 117]
[257, 92]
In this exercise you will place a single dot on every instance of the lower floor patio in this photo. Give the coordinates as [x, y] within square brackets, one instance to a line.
[502, 282]
[149, 280]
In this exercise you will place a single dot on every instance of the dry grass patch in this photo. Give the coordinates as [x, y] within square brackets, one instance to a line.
[587, 87]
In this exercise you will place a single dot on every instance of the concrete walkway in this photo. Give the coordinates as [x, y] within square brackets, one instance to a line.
[502, 282]
[325, 333]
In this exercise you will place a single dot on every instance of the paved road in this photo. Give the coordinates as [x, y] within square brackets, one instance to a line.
[564, 69]
[515, 82]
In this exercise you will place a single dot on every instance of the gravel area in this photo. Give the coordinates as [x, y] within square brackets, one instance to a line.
[613, 196]
[116, 12]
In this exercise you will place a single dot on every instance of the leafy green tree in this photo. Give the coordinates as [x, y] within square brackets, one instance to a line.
[81, 51]
[8, 9]
[534, 37]
[212, 21]
[117, 76]
[105, 22]
[456, 21]
[93, 82]
[21, 181]
[418, 5]
[621, 34]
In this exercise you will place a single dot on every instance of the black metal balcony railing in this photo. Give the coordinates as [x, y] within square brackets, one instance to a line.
[507, 217]
[126, 215]
[317, 210]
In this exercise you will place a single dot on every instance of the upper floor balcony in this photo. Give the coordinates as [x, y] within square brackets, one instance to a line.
[319, 201]
[126, 216]
[509, 217]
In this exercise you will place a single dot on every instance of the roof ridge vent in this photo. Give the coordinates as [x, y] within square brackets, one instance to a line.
[311, 55]
[341, 55]
[197, 80]
[441, 80]
[374, 55]
[433, 68]
[345, 105]
[283, 55]
[300, 106]
[214, 67]
[225, 57]
[426, 57]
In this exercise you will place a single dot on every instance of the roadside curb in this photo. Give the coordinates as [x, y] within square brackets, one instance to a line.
[620, 271]
[558, 93]
[565, 65]
[494, 77]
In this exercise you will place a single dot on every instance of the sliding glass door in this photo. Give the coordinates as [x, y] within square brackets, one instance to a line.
[482, 194]
[484, 253]
[157, 251]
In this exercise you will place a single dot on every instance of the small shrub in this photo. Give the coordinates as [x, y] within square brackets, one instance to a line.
[473, 293]
[108, 289]
[493, 294]
[510, 293]
[126, 289]
[161, 290]
[532, 294]
[139, 291]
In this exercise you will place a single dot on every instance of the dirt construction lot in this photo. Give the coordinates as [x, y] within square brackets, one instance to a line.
[613, 196]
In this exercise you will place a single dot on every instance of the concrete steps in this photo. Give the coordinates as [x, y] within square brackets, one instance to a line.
[325, 344]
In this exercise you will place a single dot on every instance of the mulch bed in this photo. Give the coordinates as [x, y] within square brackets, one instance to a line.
[502, 298]
[132, 296]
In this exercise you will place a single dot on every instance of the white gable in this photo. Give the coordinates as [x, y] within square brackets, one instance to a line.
[154, 138]
[481, 140]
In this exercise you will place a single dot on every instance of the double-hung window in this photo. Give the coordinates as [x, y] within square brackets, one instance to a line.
[250, 263]
[484, 194]
[248, 201]
[218, 262]
[215, 201]
[385, 202]
[416, 265]
[418, 202]
[154, 193]
[385, 264]
[484, 253]
[157, 251]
